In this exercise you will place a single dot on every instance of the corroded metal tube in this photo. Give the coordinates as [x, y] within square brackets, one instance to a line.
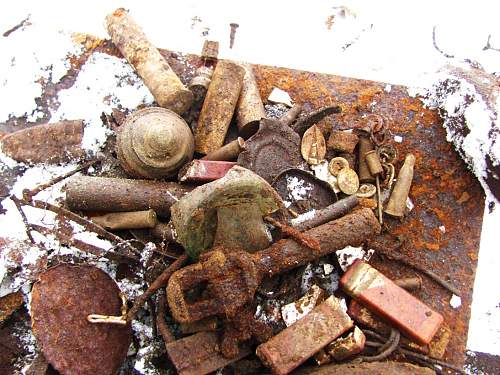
[126, 220]
[250, 109]
[167, 89]
[397, 201]
[364, 146]
[227, 152]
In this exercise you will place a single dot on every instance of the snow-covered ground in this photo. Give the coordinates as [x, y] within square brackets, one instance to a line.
[390, 41]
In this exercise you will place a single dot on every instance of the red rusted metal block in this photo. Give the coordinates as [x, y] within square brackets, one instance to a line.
[294, 345]
[380, 294]
[204, 170]
[199, 354]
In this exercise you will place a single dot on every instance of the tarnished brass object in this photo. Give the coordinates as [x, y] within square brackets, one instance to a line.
[249, 110]
[313, 147]
[126, 220]
[154, 143]
[348, 181]
[365, 145]
[373, 162]
[336, 165]
[366, 191]
[397, 201]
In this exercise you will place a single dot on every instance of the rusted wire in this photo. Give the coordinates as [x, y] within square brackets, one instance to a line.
[430, 360]
[384, 350]
[302, 239]
[18, 202]
[160, 320]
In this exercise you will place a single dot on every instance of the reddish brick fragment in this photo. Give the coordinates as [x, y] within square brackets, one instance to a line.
[204, 170]
[294, 345]
[381, 295]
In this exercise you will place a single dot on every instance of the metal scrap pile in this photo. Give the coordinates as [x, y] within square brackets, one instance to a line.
[260, 244]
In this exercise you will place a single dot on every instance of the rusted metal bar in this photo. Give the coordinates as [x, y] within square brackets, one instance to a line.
[204, 170]
[218, 107]
[415, 319]
[118, 194]
[397, 201]
[165, 332]
[126, 220]
[295, 344]
[227, 152]
[250, 109]
[167, 89]
[199, 354]
[210, 51]
[305, 122]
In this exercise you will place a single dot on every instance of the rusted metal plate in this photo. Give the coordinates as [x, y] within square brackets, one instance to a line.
[444, 192]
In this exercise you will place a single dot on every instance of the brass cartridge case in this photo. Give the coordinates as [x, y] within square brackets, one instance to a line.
[396, 205]
[227, 152]
[250, 108]
[126, 220]
[373, 162]
[364, 146]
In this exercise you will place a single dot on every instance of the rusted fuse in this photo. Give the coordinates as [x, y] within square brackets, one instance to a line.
[204, 170]
[295, 344]
[411, 316]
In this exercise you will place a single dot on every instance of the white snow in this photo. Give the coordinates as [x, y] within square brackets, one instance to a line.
[297, 189]
[349, 254]
[278, 96]
[455, 301]
[398, 139]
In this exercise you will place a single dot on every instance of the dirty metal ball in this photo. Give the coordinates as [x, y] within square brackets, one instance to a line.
[154, 143]
[62, 298]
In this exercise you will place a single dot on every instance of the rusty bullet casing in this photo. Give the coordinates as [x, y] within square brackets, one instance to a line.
[373, 162]
[342, 141]
[126, 220]
[396, 206]
[103, 194]
[228, 152]
[154, 143]
[250, 109]
[365, 145]
[295, 344]
[409, 283]
[408, 314]
[218, 107]
[167, 89]
[204, 170]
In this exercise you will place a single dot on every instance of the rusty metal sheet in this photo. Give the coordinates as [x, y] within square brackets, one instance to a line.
[444, 192]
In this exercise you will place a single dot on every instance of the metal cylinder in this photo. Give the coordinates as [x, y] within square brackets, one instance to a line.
[218, 107]
[396, 205]
[154, 143]
[373, 162]
[104, 194]
[365, 145]
[409, 283]
[291, 115]
[227, 152]
[199, 84]
[167, 89]
[126, 220]
[250, 108]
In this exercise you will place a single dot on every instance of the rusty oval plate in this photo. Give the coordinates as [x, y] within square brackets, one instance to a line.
[62, 298]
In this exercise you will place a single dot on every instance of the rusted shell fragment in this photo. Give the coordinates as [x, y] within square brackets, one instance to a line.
[154, 143]
[342, 141]
[348, 181]
[371, 288]
[374, 368]
[397, 202]
[167, 89]
[210, 50]
[9, 304]
[313, 147]
[62, 299]
[250, 109]
[126, 220]
[365, 145]
[294, 345]
[271, 150]
[218, 107]
[347, 347]
[49, 143]
[204, 170]
[199, 354]
[194, 216]
[294, 311]
[228, 152]
[103, 194]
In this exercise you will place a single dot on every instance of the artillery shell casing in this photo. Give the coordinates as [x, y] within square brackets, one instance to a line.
[396, 206]
[204, 170]
[227, 152]
[373, 162]
[295, 344]
[342, 141]
[105, 194]
[167, 89]
[365, 145]
[250, 109]
[126, 220]
[371, 288]
[218, 107]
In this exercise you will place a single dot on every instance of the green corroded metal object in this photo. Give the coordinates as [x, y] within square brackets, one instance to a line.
[194, 217]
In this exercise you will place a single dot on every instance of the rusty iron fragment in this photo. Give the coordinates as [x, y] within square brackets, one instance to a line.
[294, 345]
[342, 141]
[62, 298]
[250, 109]
[126, 220]
[218, 107]
[210, 50]
[199, 354]
[409, 283]
[295, 311]
[306, 121]
[204, 170]
[203, 325]
[331, 212]
[313, 147]
[104, 194]
[371, 288]
[396, 206]
[232, 277]
[194, 216]
[166, 87]
[228, 152]
[48, 143]
[365, 146]
[375, 368]
[154, 143]
[272, 149]
[9, 304]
